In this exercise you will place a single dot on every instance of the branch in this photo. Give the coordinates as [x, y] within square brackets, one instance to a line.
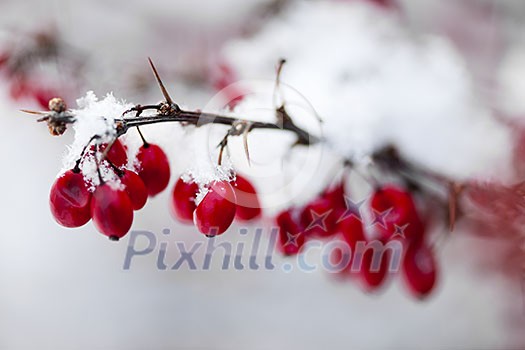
[198, 118]
[59, 117]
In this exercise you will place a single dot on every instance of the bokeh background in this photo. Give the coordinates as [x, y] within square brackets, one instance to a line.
[64, 288]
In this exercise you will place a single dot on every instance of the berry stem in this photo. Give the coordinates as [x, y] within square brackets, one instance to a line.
[222, 145]
[117, 171]
[76, 168]
[97, 161]
[145, 143]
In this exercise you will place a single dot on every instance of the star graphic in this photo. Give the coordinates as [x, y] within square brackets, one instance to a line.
[292, 239]
[318, 220]
[399, 231]
[352, 209]
[380, 217]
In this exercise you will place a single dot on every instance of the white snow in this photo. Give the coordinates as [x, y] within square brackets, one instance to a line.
[94, 117]
[374, 83]
[66, 288]
[512, 83]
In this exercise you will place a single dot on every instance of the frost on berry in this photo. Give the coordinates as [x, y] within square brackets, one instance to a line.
[95, 117]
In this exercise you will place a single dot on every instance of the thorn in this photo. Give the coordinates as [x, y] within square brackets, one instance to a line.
[280, 65]
[245, 143]
[222, 145]
[161, 85]
[144, 142]
[277, 93]
[454, 190]
[33, 112]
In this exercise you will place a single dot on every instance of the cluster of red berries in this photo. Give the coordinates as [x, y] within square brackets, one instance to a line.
[333, 215]
[223, 203]
[111, 206]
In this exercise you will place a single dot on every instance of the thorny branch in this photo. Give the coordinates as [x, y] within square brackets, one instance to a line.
[59, 117]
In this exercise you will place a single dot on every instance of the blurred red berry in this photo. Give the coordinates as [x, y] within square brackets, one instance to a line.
[319, 218]
[215, 213]
[154, 168]
[341, 256]
[401, 216]
[374, 268]
[42, 95]
[336, 195]
[420, 269]
[291, 235]
[351, 229]
[19, 88]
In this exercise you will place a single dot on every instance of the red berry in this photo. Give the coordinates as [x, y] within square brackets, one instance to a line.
[371, 278]
[216, 211]
[154, 168]
[338, 257]
[135, 188]
[72, 187]
[336, 195]
[420, 269]
[291, 235]
[112, 211]
[319, 218]
[116, 155]
[352, 230]
[248, 206]
[70, 199]
[402, 211]
[183, 200]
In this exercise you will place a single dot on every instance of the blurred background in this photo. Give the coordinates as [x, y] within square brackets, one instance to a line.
[63, 288]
